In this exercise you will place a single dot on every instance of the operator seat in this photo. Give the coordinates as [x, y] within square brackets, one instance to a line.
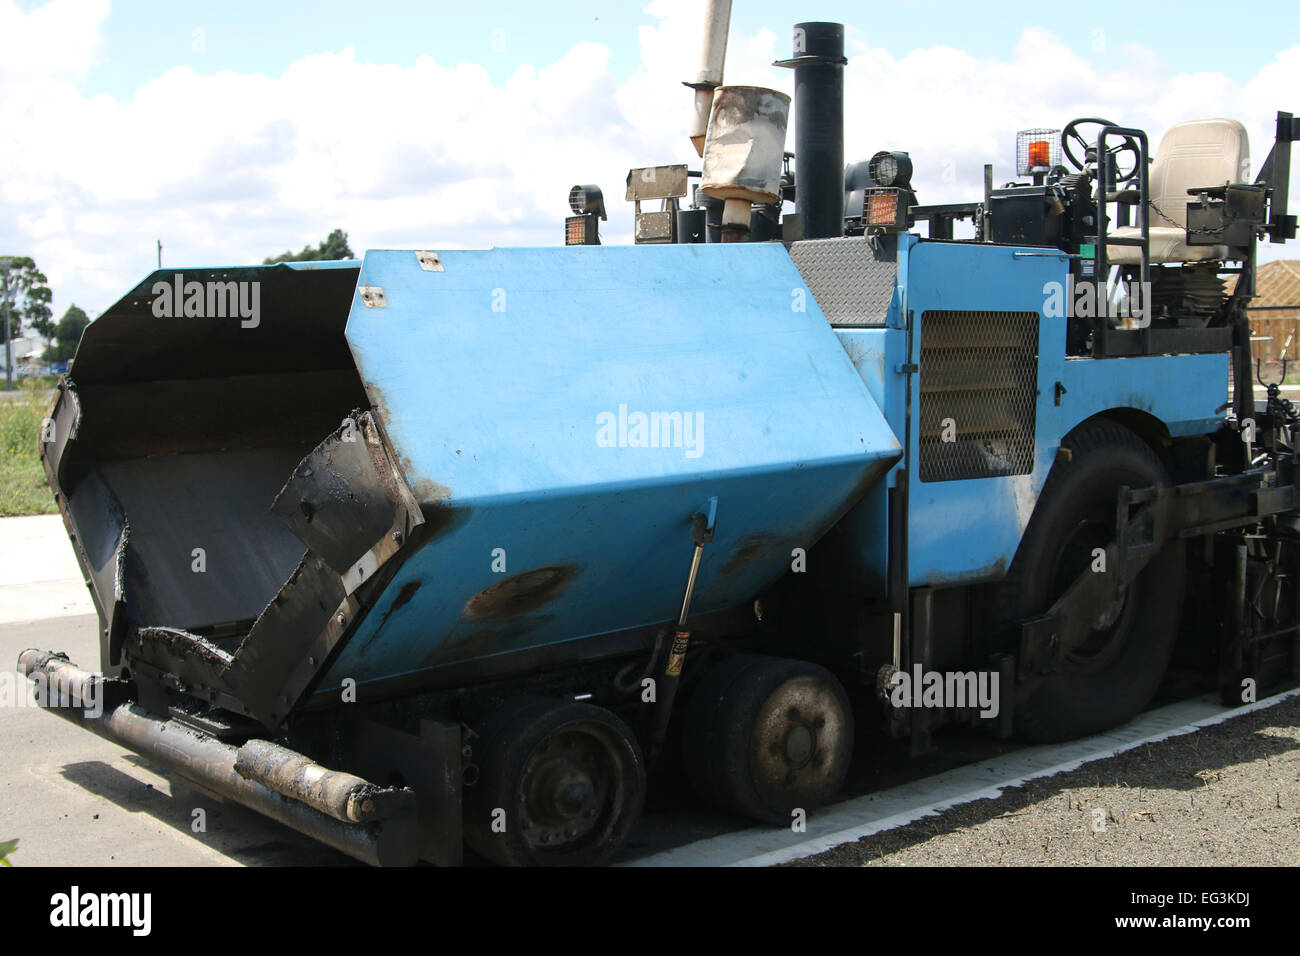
[1194, 154]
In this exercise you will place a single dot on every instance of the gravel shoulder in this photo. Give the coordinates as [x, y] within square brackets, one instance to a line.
[1226, 795]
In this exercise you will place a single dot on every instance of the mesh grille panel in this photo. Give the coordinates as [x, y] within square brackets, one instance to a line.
[979, 389]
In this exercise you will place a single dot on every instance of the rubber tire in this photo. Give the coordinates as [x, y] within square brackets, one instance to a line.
[718, 736]
[506, 739]
[1076, 701]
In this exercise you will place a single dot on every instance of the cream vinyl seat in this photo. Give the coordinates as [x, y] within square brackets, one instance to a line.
[1198, 153]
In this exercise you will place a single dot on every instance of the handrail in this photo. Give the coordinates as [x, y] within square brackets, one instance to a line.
[1101, 265]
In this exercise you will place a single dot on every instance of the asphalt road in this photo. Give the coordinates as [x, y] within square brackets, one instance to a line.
[72, 798]
[1227, 794]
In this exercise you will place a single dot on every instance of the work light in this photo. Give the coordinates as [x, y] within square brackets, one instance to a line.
[582, 229]
[884, 209]
[890, 168]
[587, 200]
[1037, 151]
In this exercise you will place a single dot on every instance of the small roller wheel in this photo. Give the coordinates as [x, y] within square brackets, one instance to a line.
[765, 736]
[560, 783]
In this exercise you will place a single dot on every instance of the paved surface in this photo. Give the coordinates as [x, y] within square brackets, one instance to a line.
[1229, 794]
[72, 798]
[39, 577]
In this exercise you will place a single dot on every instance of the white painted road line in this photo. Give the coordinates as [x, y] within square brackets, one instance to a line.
[862, 816]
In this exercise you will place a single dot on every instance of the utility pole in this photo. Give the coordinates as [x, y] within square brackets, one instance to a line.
[9, 352]
[159, 253]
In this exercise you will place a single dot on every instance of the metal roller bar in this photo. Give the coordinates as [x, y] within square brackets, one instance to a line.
[96, 704]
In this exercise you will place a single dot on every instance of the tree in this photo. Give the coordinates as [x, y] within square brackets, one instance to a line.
[335, 246]
[67, 334]
[29, 297]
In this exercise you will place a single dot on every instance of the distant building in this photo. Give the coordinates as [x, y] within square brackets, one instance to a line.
[1275, 310]
[27, 350]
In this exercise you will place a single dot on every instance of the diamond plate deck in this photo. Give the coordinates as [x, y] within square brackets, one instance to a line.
[850, 280]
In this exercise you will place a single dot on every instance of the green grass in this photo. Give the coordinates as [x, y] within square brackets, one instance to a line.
[39, 383]
[6, 848]
[23, 490]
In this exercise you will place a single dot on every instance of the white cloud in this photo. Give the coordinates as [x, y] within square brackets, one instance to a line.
[948, 107]
[57, 41]
[229, 167]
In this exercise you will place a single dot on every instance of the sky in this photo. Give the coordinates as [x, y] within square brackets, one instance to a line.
[235, 130]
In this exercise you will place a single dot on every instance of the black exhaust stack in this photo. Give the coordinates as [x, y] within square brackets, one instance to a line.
[818, 65]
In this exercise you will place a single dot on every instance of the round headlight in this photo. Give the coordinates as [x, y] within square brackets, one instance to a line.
[888, 168]
[587, 199]
[578, 200]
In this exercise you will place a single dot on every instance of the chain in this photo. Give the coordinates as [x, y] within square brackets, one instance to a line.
[1282, 407]
[1156, 208]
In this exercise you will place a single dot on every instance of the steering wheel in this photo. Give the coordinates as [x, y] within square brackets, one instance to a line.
[1127, 145]
[1056, 174]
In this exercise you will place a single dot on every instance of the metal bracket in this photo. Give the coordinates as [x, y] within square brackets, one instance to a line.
[1146, 520]
[373, 297]
[1142, 529]
[702, 522]
[429, 261]
[363, 570]
[383, 549]
[430, 759]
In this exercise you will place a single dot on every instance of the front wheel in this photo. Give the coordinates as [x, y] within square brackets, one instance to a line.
[1113, 674]
[560, 783]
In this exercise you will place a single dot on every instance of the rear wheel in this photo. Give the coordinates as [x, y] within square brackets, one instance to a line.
[1117, 669]
[560, 783]
[765, 736]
